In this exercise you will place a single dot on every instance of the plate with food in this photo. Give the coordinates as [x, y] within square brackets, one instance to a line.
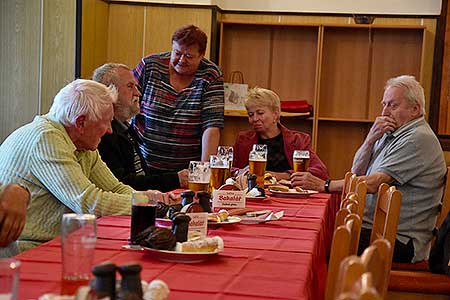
[259, 198]
[181, 257]
[222, 217]
[286, 192]
[187, 252]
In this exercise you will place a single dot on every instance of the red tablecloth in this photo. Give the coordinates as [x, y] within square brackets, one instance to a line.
[284, 259]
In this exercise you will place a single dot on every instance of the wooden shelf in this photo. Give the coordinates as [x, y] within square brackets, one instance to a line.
[243, 113]
[346, 120]
[340, 69]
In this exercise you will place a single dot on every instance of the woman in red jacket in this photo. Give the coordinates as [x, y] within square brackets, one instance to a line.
[263, 108]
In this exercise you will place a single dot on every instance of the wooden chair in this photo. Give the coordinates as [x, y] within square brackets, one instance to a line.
[361, 192]
[346, 186]
[387, 212]
[364, 277]
[363, 289]
[378, 261]
[357, 191]
[345, 243]
[444, 208]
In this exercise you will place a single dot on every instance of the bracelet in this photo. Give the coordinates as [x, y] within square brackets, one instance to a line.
[326, 185]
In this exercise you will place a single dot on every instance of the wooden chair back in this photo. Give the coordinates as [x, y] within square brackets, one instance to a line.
[362, 289]
[351, 202]
[387, 212]
[346, 185]
[354, 284]
[342, 245]
[361, 192]
[378, 260]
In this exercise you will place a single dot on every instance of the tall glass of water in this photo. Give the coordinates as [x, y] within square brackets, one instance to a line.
[78, 239]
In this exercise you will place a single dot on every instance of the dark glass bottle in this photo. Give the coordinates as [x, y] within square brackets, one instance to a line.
[187, 197]
[251, 179]
[204, 200]
[130, 285]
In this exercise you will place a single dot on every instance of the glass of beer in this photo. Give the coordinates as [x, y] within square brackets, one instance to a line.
[219, 167]
[199, 174]
[143, 214]
[257, 161]
[301, 160]
[227, 152]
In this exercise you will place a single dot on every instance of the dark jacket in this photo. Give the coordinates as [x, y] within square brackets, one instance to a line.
[116, 150]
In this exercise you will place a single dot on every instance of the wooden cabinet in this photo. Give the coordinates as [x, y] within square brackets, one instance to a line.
[340, 69]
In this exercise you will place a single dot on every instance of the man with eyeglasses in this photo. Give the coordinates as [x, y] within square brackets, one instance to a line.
[182, 103]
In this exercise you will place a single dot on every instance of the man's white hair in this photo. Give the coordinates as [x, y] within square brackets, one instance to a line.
[413, 91]
[82, 97]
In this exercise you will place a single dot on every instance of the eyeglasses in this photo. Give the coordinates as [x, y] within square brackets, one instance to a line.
[186, 55]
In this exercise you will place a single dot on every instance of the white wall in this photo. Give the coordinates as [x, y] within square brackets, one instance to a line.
[397, 7]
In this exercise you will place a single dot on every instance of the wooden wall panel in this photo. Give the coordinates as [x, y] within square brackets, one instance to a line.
[20, 31]
[94, 37]
[387, 63]
[338, 143]
[58, 48]
[161, 23]
[294, 79]
[344, 73]
[253, 45]
[125, 34]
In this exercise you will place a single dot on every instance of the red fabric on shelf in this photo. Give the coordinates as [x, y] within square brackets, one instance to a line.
[284, 259]
[296, 106]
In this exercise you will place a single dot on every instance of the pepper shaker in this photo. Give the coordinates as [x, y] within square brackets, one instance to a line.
[130, 285]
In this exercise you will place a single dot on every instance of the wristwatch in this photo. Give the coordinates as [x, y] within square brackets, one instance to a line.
[326, 185]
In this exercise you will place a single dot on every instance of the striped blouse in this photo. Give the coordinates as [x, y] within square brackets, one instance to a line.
[171, 123]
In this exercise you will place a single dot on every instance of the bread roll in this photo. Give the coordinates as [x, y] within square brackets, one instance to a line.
[209, 244]
[279, 188]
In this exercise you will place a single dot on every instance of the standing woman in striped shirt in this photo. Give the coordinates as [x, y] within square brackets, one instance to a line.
[182, 103]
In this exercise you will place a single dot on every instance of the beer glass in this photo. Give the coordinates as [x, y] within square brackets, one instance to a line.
[301, 160]
[9, 279]
[226, 151]
[219, 166]
[78, 238]
[199, 174]
[257, 161]
[143, 214]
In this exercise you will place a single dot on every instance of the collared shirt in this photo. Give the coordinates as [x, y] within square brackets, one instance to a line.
[413, 157]
[171, 123]
[42, 157]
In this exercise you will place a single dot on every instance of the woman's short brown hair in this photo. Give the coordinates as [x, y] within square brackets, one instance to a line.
[189, 35]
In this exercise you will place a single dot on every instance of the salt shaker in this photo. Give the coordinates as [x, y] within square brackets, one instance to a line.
[104, 283]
